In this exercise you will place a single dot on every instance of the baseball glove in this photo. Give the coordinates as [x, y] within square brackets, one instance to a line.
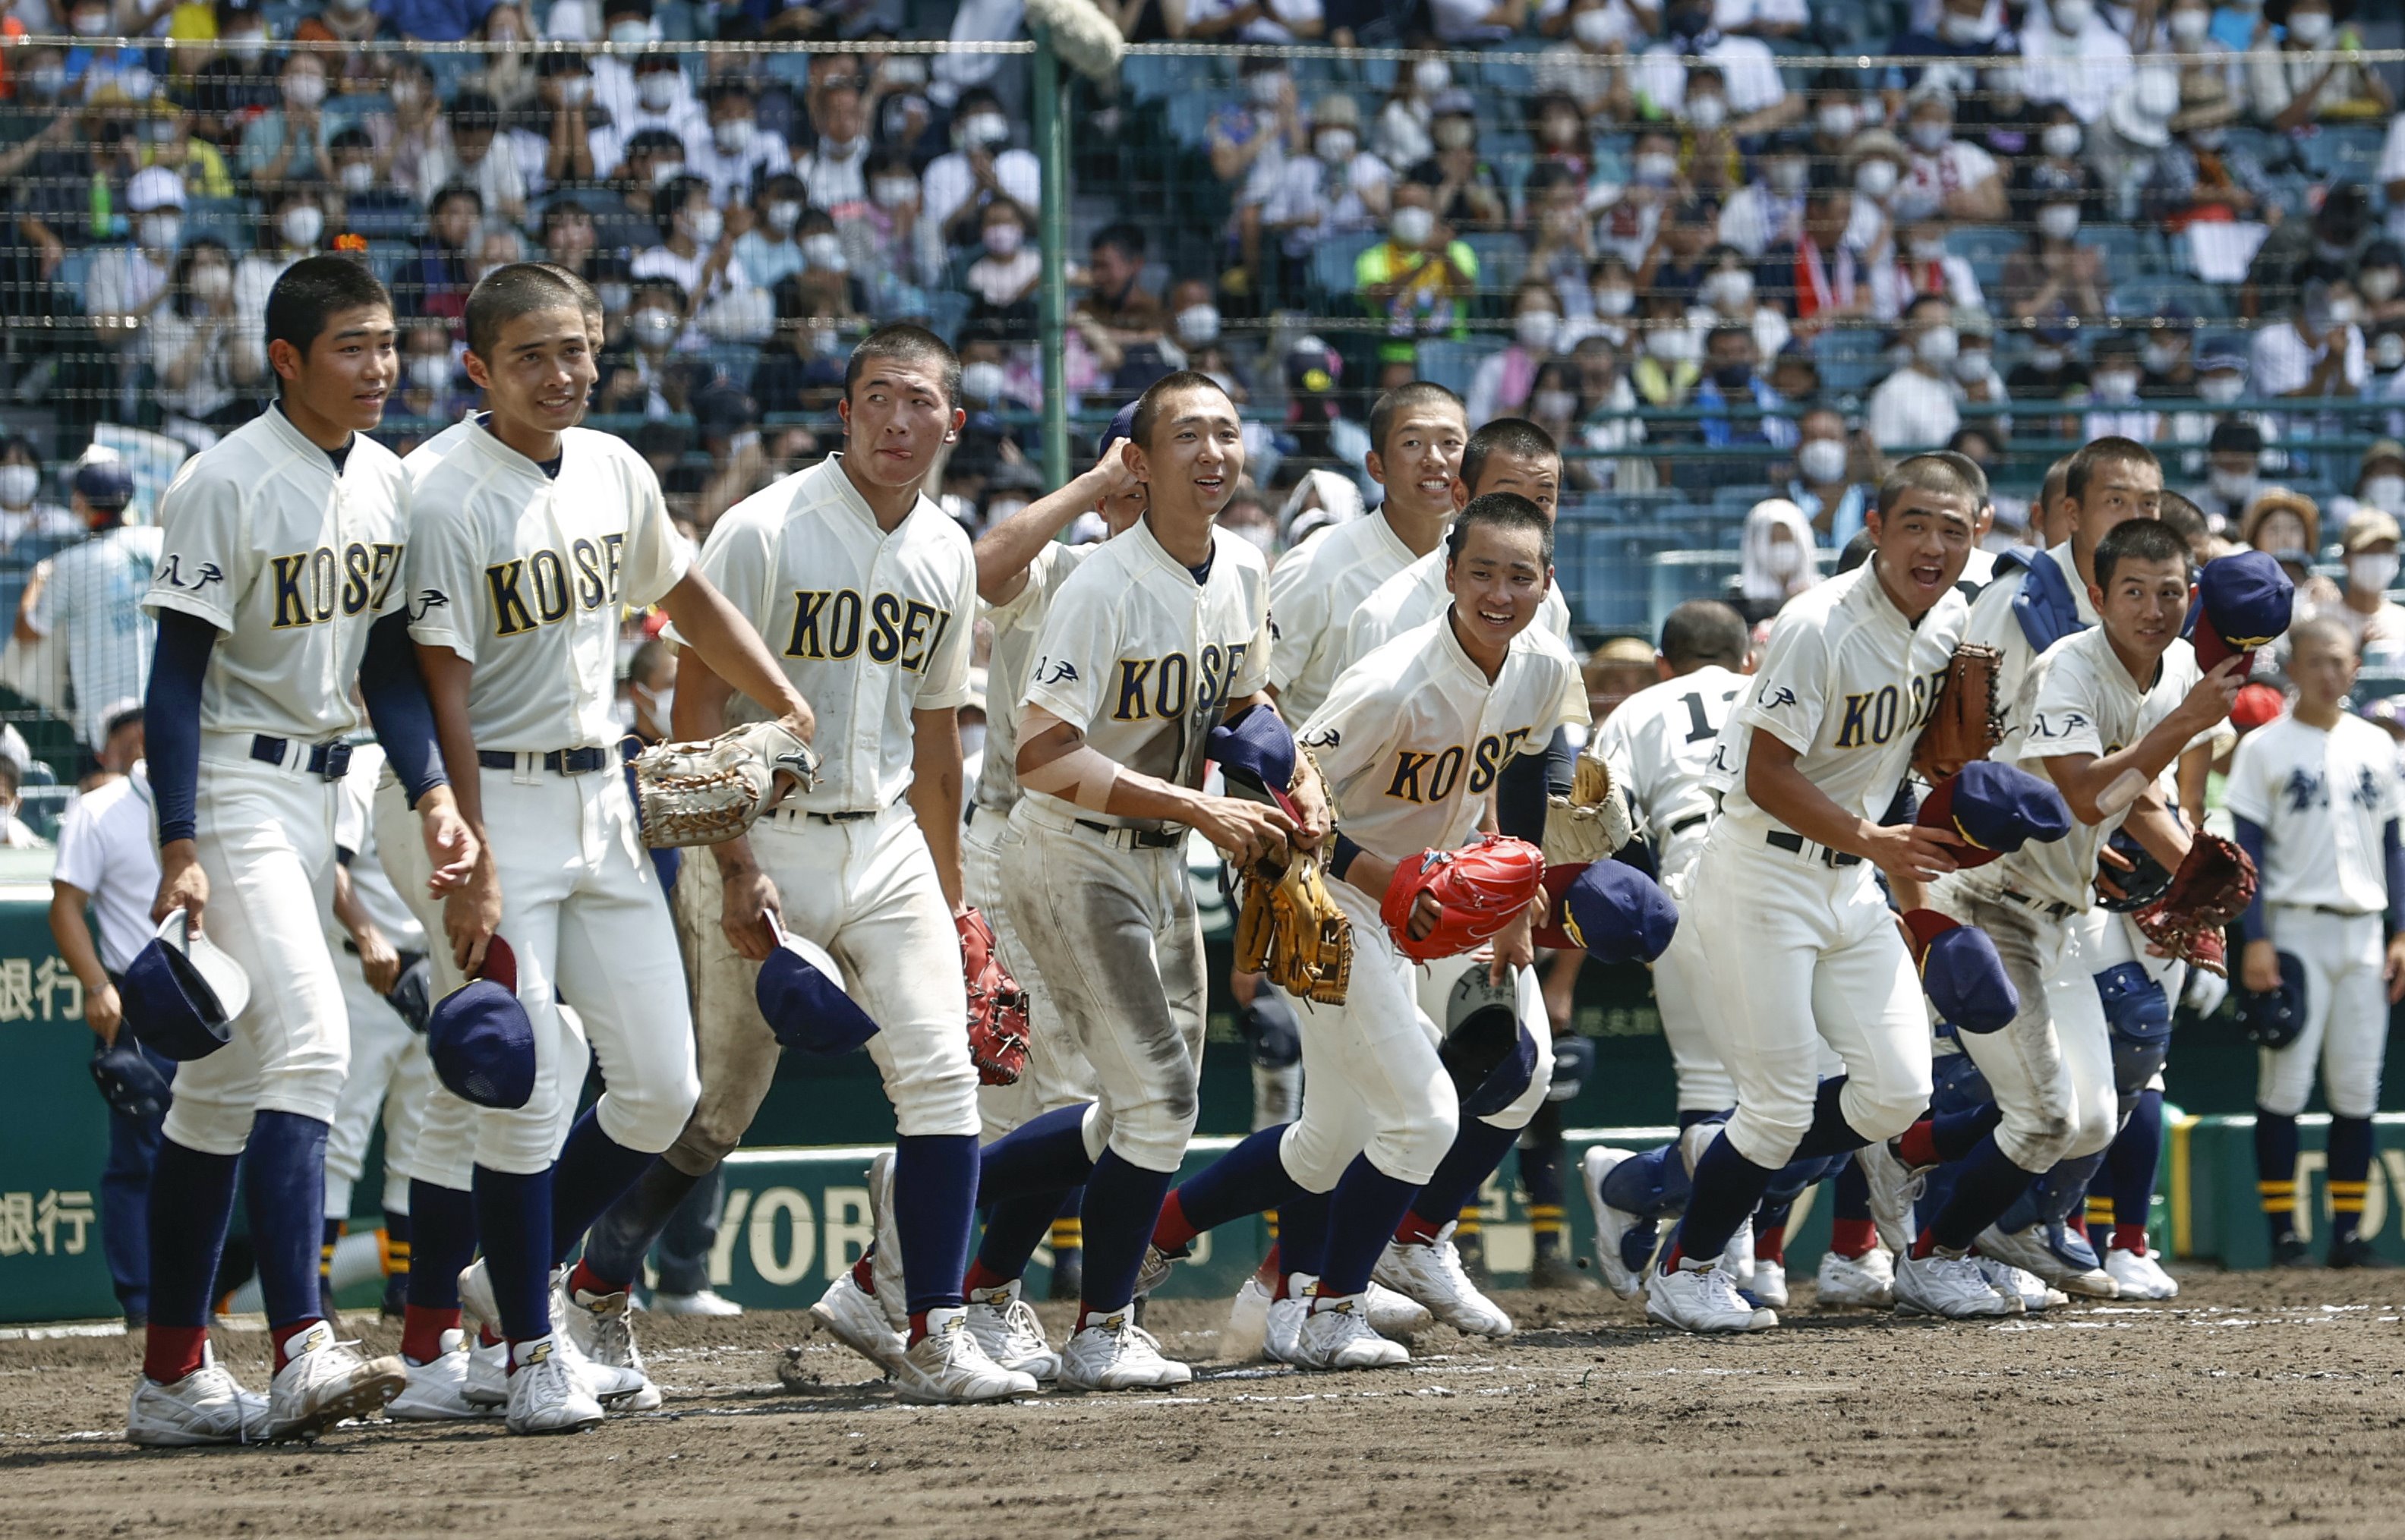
[1481, 889]
[997, 1006]
[1963, 723]
[708, 793]
[1590, 823]
[1289, 929]
[2212, 887]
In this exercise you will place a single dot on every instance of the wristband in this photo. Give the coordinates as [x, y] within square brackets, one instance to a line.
[1340, 859]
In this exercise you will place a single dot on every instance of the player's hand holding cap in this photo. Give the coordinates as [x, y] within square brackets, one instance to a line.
[2243, 601]
[1255, 752]
[1960, 972]
[1608, 909]
[479, 1039]
[182, 993]
[2143, 881]
[2273, 1018]
[128, 1082]
[1994, 809]
[801, 996]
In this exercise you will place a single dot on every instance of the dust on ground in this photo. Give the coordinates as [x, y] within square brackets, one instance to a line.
[2254, 1404]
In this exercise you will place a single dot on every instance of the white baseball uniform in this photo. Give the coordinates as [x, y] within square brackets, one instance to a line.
[1659, 744]
[1142, 656]
[523, 571]
[1314, 592]
[1798, 940]
[1056, 1074]
[1993, 623]
[1409, 742]
[2322, 800]
[1415, 596]
[2051, 1067]
[389, 1071]
[870, 626]
[291, 560]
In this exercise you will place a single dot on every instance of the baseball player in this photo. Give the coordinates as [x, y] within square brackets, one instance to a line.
[2103, 714]
[867, 590]
[538, 533]
[1159, 636]
[1795, 936]
[2313, 798]
[1468, 691]
[279, 584]
[378, 941]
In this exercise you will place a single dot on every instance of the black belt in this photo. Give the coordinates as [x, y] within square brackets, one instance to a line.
[1143, 839]
[2030, 900]
[2329, 909]
[330, 760]
[855, 816]
[1691, 820]
[559, 761]
[1780, 839]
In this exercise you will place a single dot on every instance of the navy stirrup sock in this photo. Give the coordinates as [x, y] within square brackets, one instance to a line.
[1478, 1150]
[594, 1171]
[934, 1178]
[1362, 1214]
[191, 1201]
[1985, 1188]
[1122, 1205]
[284, 1179]
[1727, 1186]
[442, 1240]
[514, 1217]
[1247, 1180]
[1044, 1155]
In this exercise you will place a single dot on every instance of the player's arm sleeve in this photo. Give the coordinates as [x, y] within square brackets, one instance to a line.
[2392, 868]
[205, 558]
[2062, 715]
[1352, 730]
[1079, 643]
[1299, 621]
[171, 718]
[657, 557]
[944, 682]
[1522, 788]
[1573, 711]
[2250, 839]
[1790, 688]
[395, 694]
[446, 590]
[1041, 577]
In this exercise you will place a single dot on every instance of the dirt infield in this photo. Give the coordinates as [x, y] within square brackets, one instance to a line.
[2257, 1405]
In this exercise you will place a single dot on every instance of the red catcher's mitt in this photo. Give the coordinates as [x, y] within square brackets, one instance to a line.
[2212, 887]
[1480, 888]
[997, 1006]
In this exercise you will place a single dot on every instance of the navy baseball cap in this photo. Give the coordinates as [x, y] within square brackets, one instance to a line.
[1961, 974]
[1997, 808]
[1608, 909]
[106, 484]
[479, 1039]
[2276, 1017]
[129, 1081]
[1255, 751]
[2243, 601]
[1122, 426]
[181, 993]
[801, 996]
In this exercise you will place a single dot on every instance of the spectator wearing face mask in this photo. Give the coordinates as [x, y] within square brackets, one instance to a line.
[1334, 189]
[31, 526]
[1741, 404]
[1248, 146]
[771, 249]
[1758, 101]
[1469, 193]
[2198, 173]
[1002, 281]
[1632, 223]
[980, 171]
[1924, 266]
[826, 284]
[2384, 377]
[661, 100]
[901, 252]
[1500, 386]
[2052, 369]
[2326, 248]
[2114, 409]
[362, 205]
[2053, 170]
[2296, 83]
[1976, 381]
[412, 142]
[2379, 484]
[287, 142]
[1419, 279]
[1914, 407]
[1946, 175]
[2286, 525]
[206, 377]
[1961, 29]
[1194, 331]
[551, 138]
[434, 282]
[1725, 296]
[836, 171]
[1402, 135]
[1668, 365]
[2054, 278]
[2232, 457]
[1561, 238]
[1768, 210]
[429, 376]
[2071, 53]
[1775, 559]
[1244, 20]
[2363, 605]
[127, 283]
[343, 25]
[295, 228]
[1118, 319]
[697, 249]
[2317, 349]
[2379, 282]
[647, 374]
[1823, 279]
[738, 154]
[1827, 483]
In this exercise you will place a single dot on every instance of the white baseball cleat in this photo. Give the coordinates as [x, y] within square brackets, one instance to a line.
[1950, 1286]
[2028, 1250]
[1700, 1298]
[948, 1368]
[1153, 1271]
[599, 1331]
[487, 1384]
[207, 1405]
[2034, 1292]
[1283, 1343]
[1006, 1330]
[1893, 1188]
[478, 1305]
[1393, 1314]
[324, 1381]
[1611, 1225]
[1738, 1257]
[1249, 1320]
[1769, 1285]
[437, 1391]
[700, 1302]
[1864, 1282]
[1433, 1274]
[851, 1316]
[545, 1395]
[1117, 1354]
[2140, 1276]
[885, 1266]
[1336, 1335]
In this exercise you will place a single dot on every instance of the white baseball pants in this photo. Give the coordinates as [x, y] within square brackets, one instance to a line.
[1681, 991]
[1056, 1074]
[1796, 954]
[2051, 1065]
[2346, 1013]
[1114, 931]
[265, 836]
[390, 1074]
